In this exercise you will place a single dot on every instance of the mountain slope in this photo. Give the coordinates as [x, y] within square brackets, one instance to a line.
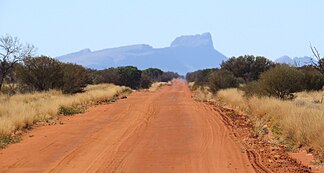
[297, 61]
[186, 53]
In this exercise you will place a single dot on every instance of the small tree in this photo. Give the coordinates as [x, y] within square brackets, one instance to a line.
[281, 82]
[129, 76]
[153, 73]
[168, 76]
[11, 53]
[145, 82]
[109, 75]
[200, 77]
[75, 78]
[222, 79]
[313, 79]
[247, 67]
[41, 73]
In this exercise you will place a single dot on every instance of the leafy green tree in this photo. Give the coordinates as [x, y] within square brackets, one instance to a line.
[129, 76]
[41, 73]
[75, 78]
[222, 79]
[313, 79]
[168, 76]
[281, 82]
[200, 77]
[153, 73]
[109, 75]
[145, 82]
[247, 67]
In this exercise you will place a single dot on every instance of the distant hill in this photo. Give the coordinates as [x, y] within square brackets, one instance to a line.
[185, 54]
[297, 61]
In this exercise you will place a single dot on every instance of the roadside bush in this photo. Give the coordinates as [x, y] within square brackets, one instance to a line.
[313, 79]
[253, 89]
[247, 67]
[45, 73]
[109, 75]
[168, 76]
[146, 82]
[68, 110]
[281, 82]
[154, 74]
[75, 78]
[222, 79]
[200, 77]
[40, 73]
[129, 76]
[90, 75]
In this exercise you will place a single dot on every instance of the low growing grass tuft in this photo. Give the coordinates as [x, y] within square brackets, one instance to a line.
[66, 110]
[5, 140]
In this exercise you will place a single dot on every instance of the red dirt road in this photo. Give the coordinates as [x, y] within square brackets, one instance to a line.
[162, 131]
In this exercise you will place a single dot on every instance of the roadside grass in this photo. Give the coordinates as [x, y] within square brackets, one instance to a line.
[65, 110]
[155, 86]
[297, 123]
[202, 93]
[21, 111]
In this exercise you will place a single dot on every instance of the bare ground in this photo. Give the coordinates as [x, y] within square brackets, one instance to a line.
[162, 131]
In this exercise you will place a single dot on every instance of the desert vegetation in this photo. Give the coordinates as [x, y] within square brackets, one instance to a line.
[132, 77]
[21, 72]
[39, 88]
[283, 101]
[297, 123]
[21, 111]
[259, 76]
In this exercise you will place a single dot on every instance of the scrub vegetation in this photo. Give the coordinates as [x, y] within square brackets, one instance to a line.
[282, 100]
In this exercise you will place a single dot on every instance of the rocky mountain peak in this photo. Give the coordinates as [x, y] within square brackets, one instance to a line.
[199, 40]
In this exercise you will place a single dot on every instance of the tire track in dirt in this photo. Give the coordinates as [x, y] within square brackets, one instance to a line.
[264, 156]
[163, 131]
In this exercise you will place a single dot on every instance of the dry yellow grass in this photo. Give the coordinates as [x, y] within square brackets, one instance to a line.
[298, 122]
[155, 86]
[203, 94]
[22, 110]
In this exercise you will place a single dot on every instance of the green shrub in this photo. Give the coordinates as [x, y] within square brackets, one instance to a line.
[129, 76]
[146, 82]
[75, 78]
[313, 79]
[281, 82]
[168, 76]
[109, 75]
[252, 89]
[45, 73]
[40, 73]
[247, 67]
[5, 140]
[222, 79]
[200, 77]
[66, 110]
[154, 74]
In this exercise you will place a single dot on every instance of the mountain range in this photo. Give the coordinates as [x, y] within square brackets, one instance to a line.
[297, 61]
[185, 54]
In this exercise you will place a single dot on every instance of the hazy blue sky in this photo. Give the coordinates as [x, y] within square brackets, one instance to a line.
[270, 28]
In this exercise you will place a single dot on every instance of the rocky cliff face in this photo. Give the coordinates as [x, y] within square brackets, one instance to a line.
[185, 54]
[203, 40]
